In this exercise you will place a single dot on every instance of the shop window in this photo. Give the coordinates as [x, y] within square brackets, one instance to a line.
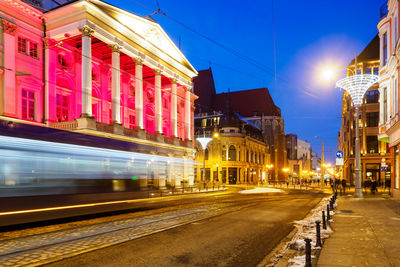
[28, 105]
[62, 107]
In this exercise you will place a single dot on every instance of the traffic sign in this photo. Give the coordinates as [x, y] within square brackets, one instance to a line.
[339, 154]
[339, 162]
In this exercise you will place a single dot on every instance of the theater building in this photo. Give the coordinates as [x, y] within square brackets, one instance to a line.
[92, 68]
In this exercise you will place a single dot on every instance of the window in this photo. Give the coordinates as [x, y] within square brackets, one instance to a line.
[28, 47]
[384, 51]
[372, 119]
[368, 71]
[62, 107]
[376, 71]
[372, 144]
[206, 154]
[384, 105]
[372, 96]
[232, 153]
[28, 105]
[33, 50]
[359, 71]
[22, 45]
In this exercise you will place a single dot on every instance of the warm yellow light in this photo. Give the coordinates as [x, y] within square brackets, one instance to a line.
[216, 135]
[217, 165]
[285, 169]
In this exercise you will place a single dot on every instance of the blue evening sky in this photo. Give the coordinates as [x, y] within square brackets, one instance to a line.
[308, 33]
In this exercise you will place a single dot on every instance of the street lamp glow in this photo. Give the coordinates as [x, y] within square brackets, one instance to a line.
[328, 73]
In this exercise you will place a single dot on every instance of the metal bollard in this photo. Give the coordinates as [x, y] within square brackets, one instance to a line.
[308, 252]
[328, 217]
[323, 220]
[318, 227]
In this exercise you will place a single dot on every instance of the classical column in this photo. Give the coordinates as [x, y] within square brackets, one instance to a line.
[139, 93]
[116, 84]
[187, 115]
[174, 114]
[158, 107]
[87, 33]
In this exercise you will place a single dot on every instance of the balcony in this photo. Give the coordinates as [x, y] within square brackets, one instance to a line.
[93, 126]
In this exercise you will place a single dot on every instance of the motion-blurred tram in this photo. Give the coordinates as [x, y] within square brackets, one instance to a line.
[41, 174]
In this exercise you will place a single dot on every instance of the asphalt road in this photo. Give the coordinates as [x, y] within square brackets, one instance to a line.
[242, 236]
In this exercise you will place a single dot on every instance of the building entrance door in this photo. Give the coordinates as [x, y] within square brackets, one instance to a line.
[232, 175]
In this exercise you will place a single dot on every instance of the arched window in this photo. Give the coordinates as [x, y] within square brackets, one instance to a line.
[232, 153]
[206, 154]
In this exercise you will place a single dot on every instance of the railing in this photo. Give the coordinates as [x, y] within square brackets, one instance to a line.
[104, 127]
[384, 10]
[65, 125]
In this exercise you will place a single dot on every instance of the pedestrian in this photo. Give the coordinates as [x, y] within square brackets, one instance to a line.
[344, 186]
[373, 186]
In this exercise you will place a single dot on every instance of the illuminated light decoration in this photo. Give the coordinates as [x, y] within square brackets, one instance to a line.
[204, 141]
[357, 85]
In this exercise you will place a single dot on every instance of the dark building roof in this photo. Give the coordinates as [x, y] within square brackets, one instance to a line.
[248, 103]
[370, 52]
[204, 88]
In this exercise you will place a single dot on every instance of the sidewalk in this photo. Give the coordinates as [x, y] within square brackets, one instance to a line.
[366, 233]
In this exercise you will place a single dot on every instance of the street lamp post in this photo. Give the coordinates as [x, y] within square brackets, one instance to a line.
[356, 86]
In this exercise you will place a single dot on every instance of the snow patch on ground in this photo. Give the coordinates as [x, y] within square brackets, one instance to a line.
[306, 228]
[259, 190]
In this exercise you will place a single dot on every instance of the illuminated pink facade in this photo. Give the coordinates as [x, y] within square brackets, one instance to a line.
[91, 67]
[43, 77]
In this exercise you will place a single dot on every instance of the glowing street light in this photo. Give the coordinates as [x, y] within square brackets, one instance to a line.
[204, 142]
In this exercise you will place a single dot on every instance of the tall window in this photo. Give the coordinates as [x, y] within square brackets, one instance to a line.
[28, 105]
[384, 51]
[22, 45]
[62, 107]
[372, 119]
[385, 104]
[372, 96]
[372, 144]
[33, 50]
[206, 154]
[232, 153]
[376, 71]
[395, 97]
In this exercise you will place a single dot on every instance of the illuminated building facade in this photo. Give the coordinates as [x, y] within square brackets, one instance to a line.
[389, 124]
[255, 106]
[374, 153]
[92, 68]
[237, 154]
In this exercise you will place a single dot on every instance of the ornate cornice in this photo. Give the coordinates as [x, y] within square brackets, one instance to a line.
[8, 26]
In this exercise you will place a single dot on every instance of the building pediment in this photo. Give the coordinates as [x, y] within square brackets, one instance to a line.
[150, 31]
